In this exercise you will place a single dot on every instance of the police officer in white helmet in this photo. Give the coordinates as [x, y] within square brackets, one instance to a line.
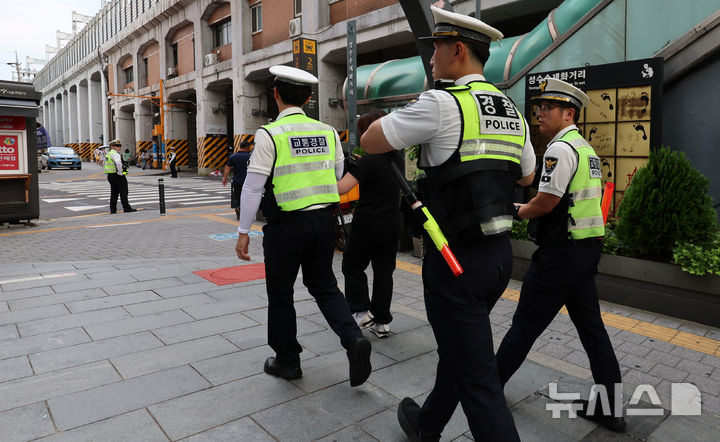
[474, 148]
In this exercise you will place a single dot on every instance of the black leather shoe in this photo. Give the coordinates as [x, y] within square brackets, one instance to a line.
[282, 370]
[612, 423]
[359, 359]
[130, 210]
[409, 418]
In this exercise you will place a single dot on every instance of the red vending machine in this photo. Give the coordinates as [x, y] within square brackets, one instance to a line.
[19, 193]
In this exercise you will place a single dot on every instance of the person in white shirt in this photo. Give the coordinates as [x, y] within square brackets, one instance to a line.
[297, 161]
[474, 148]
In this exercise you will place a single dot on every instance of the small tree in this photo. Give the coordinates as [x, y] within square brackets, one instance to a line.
[668, 202]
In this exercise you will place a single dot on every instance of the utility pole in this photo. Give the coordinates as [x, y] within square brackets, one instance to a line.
[17, 67]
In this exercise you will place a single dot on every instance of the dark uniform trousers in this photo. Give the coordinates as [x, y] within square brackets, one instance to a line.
[374, 243]
[118, 187]
[302, 239]
[561, 275]
[173, 168]
[458, 310]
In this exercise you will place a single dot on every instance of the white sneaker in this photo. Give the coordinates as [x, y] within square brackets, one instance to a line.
[363, 319]
[380, 330]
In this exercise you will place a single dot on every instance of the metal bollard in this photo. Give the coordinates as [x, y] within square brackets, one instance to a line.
[161, 191]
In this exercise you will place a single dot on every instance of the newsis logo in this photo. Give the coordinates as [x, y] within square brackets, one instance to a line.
[685, 400]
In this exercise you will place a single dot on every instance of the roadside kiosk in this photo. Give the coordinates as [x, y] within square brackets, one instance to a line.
[19, 193]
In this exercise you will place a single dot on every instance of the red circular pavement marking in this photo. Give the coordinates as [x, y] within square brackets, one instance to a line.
[231, 275]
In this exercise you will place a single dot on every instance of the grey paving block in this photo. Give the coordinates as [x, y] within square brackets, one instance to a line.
[696, 368]
[662, 346]
[15, 268]
[556, 350]
[183, 290]
[711, 360]
[535, 423]
[25, 423]
[325, 370]
[224, 307]
[637, 363]
[147, 308]
[241, 429]
[8, 332]
[305, 308]
[93, 351]
[112, 301]
[634, 349]
[4, 307]
[38, 284]
[384, 426]
[686, 353]
[191, 414]
[136, 426]
[130, 287]
[14, 368]
[696, 428]
[221, 293]
[402, 322]
[409, 378]
[136, 324]
[104, 283]
[162, 272]
[249, 337]
[529, 378]
[31, 314]
[705, 384]
[407, 345]
[258, 315]
[668, 373]
[26, 293]
[661, 357]
[632, 337]
[99, 403]
[323, 342]
[234, 366]
[350, 434]
[39, 301]
[43, 342]
[326, 411]
[71, 321]
[199, 329]
[90, 271]
[45, 386]
[141, 363]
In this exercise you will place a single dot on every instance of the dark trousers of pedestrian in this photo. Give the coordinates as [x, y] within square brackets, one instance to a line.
[371, 244]
[302, 240]
[118, 187]
[458, 310]
[561, 275]
[173, 169]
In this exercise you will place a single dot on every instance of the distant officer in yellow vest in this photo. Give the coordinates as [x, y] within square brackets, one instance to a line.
[567, 223]
[297, 162]
[116, 171]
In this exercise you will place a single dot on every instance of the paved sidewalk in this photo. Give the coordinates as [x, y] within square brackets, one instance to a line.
[117, 339]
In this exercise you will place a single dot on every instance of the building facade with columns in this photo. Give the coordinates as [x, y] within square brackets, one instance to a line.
[213, 57]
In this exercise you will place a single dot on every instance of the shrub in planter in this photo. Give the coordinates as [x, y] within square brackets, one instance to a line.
[698, 259]
[667, 203]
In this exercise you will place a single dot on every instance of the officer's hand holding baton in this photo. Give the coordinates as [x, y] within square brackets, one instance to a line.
[431, 226]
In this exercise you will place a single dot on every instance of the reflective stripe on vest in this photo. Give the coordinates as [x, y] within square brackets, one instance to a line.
[584, 191]
[477, 100]
[110, 166]
[304, 170]
[481, 105]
